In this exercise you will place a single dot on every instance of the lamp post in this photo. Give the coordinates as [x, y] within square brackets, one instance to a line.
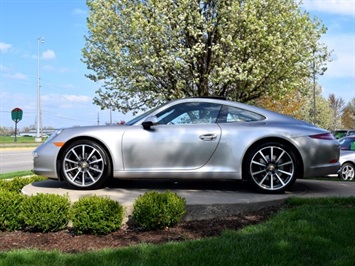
[314, 88]
[38, 137]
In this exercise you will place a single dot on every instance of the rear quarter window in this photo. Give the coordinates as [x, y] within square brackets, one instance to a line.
[230, 114]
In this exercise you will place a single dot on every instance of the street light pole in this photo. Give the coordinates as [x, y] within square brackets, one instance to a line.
[314, 89]
[38, 137]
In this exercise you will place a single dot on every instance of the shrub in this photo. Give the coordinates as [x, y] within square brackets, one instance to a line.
[155, 210]
[16, 184]
[96, 215]
[45, 212]
[10, 203]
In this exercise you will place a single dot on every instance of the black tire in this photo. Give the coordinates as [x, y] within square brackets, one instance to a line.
[85, 165]
[271, 167]
[347, 171]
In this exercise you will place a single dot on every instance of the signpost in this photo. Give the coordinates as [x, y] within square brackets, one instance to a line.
[16, 115]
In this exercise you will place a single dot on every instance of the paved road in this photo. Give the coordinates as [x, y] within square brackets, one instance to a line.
[15, 159]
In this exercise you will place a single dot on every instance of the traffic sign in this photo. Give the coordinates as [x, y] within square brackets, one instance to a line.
[16, 114]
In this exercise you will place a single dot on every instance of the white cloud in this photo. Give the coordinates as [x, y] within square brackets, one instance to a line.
[17, 76]
[5, 47]
[50, 68]
[343, 64]
[48, 54]
[342, 7]
[65, 100]
[68, 86]
[77, 98]
[80, 12]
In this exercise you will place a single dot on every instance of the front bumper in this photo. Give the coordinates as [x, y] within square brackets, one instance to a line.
[45, 160]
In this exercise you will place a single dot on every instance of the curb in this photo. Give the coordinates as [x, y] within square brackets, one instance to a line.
[213, 200]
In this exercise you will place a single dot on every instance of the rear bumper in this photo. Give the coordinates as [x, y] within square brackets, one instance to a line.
[323, 170]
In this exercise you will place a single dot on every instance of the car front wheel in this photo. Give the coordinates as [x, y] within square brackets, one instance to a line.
[347, 171]
[271, 167]
[85, 165]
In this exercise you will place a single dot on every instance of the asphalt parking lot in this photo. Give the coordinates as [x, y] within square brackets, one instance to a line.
[204, 199]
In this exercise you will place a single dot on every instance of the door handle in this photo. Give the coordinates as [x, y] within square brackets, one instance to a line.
[208, 137]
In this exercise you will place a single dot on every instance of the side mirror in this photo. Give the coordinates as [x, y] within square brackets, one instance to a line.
[149, 122]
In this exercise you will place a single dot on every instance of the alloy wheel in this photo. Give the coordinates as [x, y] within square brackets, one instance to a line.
[83, 165]
[347, 172]
[272, 168]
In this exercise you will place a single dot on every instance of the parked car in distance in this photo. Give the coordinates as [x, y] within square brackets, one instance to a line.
[350, 132]
[193, 138]
[339, 133]
[347, 158]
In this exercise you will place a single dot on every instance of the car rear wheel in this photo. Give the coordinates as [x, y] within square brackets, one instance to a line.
[85, 165]
[347, 171]
[271, 167]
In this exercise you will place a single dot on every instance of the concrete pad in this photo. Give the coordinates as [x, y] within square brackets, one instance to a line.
[204, 199]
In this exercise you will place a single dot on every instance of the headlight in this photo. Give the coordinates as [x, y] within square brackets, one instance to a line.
[54, 134]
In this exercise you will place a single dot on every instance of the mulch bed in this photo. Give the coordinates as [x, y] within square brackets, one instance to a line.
[67, 241]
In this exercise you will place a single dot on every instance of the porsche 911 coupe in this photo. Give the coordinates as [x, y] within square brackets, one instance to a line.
[193, 138]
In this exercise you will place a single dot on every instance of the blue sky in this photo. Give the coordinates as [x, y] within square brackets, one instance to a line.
[66, 94]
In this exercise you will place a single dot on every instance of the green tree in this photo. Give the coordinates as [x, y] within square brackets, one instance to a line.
[324, 113]
[7, 130]
[320, 113]
[295, 105]
[348, 117]
[145, 52]
[337, 105]
[301, 106]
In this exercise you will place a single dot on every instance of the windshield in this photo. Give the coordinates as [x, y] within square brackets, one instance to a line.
[137, 118]
[347, 144]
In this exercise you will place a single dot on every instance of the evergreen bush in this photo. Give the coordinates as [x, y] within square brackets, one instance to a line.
[155, 210]
[96, 215]
[10, 203]
[45, 212]
[16, 184]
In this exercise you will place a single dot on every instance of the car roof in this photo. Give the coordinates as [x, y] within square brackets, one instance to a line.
[348, 137]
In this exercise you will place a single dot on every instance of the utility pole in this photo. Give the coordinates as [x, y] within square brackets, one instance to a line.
[314, 89]
[38, 137]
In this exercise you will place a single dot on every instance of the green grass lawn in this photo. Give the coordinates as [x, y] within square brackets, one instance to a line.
[15, 174]
[8, 139]
[311, 232]
[9, 142]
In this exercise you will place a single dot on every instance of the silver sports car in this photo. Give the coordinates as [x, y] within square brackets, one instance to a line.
[192, 138]
[347, 158]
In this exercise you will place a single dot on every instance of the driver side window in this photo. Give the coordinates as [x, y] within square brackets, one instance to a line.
[189, 113]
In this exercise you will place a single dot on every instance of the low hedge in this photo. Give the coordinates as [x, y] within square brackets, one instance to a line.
[91, 214]
[10, 203]
[96, 215]
[45, 212]
[16, 184]
[155, 210]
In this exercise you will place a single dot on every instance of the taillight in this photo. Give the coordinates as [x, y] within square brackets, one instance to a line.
[328, 136]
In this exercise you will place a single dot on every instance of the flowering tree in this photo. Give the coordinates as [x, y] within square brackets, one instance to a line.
[149, 51]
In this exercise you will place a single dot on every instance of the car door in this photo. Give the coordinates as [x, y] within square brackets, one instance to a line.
[184, 139]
